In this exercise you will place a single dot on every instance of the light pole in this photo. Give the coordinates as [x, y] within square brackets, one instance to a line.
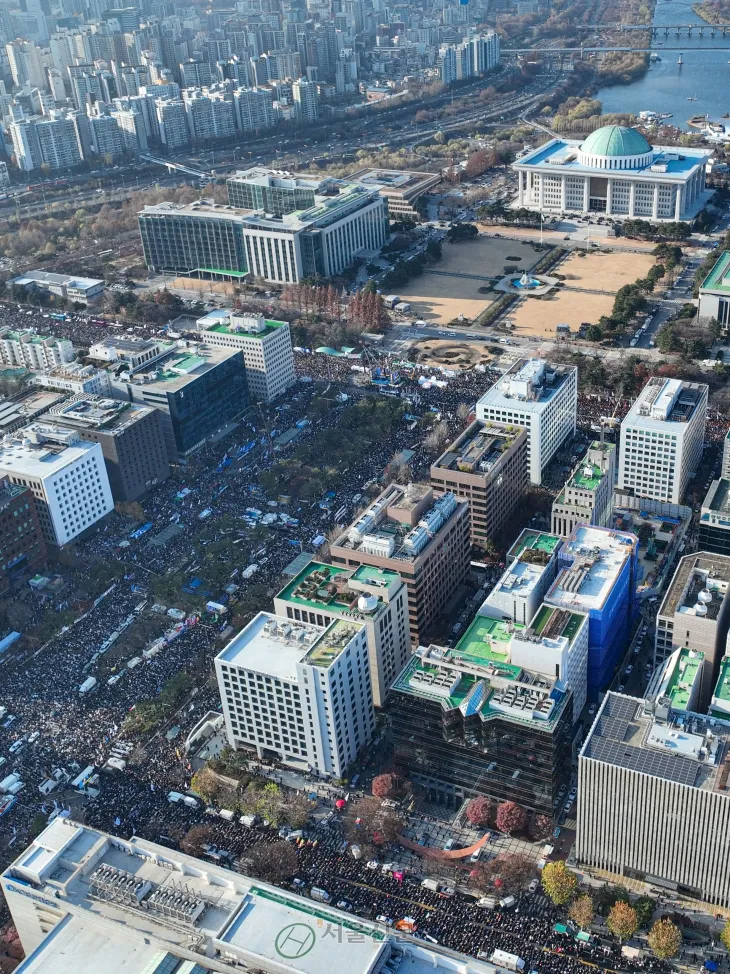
[541, 219]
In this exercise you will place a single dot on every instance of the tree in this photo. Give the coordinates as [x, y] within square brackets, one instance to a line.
[558, 882]
[622, 921]
[644, 907]
[268, 803]
[725, 936]
[479, 810]
[295, 810]
[594, 333]
[206, 784]
[515, 871]
[385, 785]
[581, 912]
[510, 818]
[195, 838]
[665, 939]
[274, 862]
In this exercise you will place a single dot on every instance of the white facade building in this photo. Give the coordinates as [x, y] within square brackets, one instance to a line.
[661, 439]
[172, 123]
[616, 172]
[541, 397]
[27, 348]
[653, 803]
[75, 378]
[300, 691]
[305, 95]
[266, 346]
[83, 901]
[531, 567]
[715, 294]
[66, 474]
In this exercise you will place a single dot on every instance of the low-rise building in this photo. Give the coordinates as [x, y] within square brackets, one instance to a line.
[695, 614]
[198, 391]
[465, 725]
[373, 597]
[34, 351]
[20, 410]
[720, 701]
[587, 497]
[653, 798]
[75, 378]
[266, 346]
[487, 467]
[532, 563]
[540, 397]
[298, 691]
[597, 574]
[130, 436]
[401, 190]
[714, 526]
[79, 290]
[426, 540]
[676, 684]
[135, 352]
[84, 901]
[66, 475]
[23, 550]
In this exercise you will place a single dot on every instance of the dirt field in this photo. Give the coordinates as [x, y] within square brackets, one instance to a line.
[439, 297]
[604, 272]
[452, 355]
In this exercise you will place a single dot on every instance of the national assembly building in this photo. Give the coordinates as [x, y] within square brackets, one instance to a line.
[615, 172]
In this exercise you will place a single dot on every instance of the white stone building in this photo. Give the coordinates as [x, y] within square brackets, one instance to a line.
[27, 348]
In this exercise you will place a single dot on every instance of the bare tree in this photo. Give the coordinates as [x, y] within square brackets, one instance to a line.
[273, 862]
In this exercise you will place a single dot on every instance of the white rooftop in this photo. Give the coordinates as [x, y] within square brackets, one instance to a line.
[519, 579]
[528, 386]
[72, 945]
[674, 740]
[599, 556]
[271, 651]
[22, 455]
[665, 401]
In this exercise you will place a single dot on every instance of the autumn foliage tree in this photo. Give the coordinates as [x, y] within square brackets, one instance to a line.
[510, 817]
[541, 827]
[312, 299]
[558, 882]
[366, 312]
[195, 838]
[665, 939]
[622, 921]
[385, 786]
[479, 810]
[509, 872]
[581, 912]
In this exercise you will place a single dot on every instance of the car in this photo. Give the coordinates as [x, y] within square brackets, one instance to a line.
[568, 806]
[474, 857]
[563, 789]
[298, 883]
[629, 668]
[573, 794]
[637, 650]
[449, 845]
[382, 918]
[620, 688]
[533, 886]
[344, 905]
[556, 832]
[592, 709]
[556, 802]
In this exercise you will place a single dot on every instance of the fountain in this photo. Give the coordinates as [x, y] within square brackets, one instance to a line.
[526, 283]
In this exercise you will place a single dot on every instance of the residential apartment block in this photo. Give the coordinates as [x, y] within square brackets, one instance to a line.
[34, 351]
[487, 467]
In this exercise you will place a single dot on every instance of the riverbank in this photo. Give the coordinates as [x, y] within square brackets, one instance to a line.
[717, 12]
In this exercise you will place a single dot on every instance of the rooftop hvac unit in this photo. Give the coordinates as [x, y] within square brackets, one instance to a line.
[416, 540]
[446, 505]
[705, 596]
[700, 609]
[378, 544]
[431, 521]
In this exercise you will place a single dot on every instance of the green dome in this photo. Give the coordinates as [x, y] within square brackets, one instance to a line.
[615, 140]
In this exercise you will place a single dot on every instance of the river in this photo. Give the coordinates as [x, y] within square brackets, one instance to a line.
[666, 86]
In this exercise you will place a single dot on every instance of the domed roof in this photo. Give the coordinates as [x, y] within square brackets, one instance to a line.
[615, 140]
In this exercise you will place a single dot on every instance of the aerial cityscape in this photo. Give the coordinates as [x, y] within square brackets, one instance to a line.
[365, 487]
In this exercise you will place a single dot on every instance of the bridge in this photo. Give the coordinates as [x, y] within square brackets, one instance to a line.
[169, 164]
[665, 29]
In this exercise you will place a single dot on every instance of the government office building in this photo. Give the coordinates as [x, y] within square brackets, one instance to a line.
[615, 172]
[281, 245]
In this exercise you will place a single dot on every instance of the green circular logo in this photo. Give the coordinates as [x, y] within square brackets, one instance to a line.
[295, 941]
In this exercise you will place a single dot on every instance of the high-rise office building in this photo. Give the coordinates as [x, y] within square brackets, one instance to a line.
[487, 467]
[653, 800]
[531, 566]
[587, 497]
[661, 439]
[266, 347]
[540, 397]
[426, 540]
[373, 597]
[714, 525]
[298, 691]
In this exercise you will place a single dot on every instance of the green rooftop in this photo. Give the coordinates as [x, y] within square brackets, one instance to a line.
[329, 646]
[368, 575]
[719, 277]
[309, 587]
[721, 695]
[571, 624]
[305, 906]
[487, 641]
[222, 328]
[534, 541]
[683, 676]
[587, 477]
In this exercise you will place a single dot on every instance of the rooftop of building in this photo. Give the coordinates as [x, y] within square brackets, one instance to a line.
[479, 448]
[132, 345]
[19, 410]
[529, 385]
[666, 401]
[180, 367]
[588, 473]
[273, 645]
[534, 546]
[335, 589]
[519, 578]
[719, 277]
[683, 669]
[721, 695]
[481, 686]
[700, 572]
[282, 179]
[486, 641]
[666, 162]
[396, 182]
[246, 325]
[551, 622]
[401, 523]
[598, 558]
[717, 500]
[28, 336]
[86, 411]
[687, 748]
[60, 280]
[40, 450]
